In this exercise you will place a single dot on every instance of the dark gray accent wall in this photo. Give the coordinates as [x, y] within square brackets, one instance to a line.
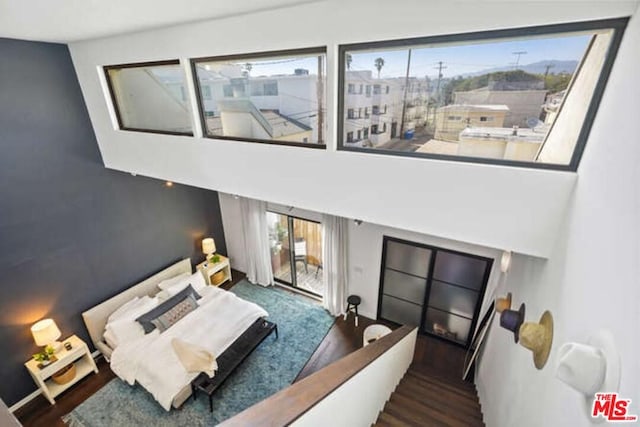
[73, 233]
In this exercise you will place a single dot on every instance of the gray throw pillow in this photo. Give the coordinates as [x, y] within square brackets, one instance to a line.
[171, 317]
[146, 319]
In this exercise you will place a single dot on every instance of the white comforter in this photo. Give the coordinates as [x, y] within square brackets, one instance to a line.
[151, 361]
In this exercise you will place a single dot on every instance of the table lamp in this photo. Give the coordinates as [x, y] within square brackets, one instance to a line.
[208, 247]
[46, 332]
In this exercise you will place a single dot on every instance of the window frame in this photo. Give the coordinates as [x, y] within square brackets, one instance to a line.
[617, 25]
[193, 62]
[114, 101]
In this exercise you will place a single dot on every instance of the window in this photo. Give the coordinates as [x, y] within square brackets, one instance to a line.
[360, 90]
[366, 133]
[275, 97]
[271, 88]
[349, 136]
[518, 97]
[360, 112]
[351, 114]
[366, 112]
[296, 252]
[359, 134]
[374, 129]
[376, 89]
[206, 93]
[150, 97]
[368, 90]
[375, 110]
[352, 88]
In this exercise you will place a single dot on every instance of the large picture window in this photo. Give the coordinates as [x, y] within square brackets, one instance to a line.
[521, 97]
[150, 97]
[274, 97]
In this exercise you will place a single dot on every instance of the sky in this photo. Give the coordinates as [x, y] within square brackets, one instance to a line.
[470, 58]
[459, 59]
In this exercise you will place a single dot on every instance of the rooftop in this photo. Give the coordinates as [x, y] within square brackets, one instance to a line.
[474, 107]
[507, 134]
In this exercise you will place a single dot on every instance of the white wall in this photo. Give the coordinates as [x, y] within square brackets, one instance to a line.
[590, 280]
[365, 256]
[487, 205]
[364, 252]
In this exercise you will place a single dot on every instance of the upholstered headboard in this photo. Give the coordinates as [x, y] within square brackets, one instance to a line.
[96, 317]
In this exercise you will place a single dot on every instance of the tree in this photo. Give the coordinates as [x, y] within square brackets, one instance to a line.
[349, 60]
[379, 63]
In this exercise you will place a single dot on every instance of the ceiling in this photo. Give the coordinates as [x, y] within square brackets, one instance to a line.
[72, 20]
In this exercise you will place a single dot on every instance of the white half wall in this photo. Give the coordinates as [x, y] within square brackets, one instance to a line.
[366, 393]
[590, 281]
[491, 206]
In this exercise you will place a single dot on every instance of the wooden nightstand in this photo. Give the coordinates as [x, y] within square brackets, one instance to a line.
[208, 269]
[79, 354]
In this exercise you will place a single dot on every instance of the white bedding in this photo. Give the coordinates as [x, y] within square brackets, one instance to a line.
[151, 361]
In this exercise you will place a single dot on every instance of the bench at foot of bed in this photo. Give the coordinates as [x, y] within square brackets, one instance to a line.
[232, 357]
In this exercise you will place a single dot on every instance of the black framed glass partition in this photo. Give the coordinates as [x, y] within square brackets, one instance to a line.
[270, 97]
[438, 290]
[518, 97]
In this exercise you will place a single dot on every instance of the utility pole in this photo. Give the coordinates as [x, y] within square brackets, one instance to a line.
[518, 55]
[546, 73]
[319, 96]
[404, 101]
[440, 67]
[546, 69]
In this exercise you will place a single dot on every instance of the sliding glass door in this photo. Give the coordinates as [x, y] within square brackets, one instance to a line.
[296, 252]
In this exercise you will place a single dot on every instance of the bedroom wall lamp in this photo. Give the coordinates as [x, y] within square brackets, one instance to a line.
[46, 332]
[505, 261]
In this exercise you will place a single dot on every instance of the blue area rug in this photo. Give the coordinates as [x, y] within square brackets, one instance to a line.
[271, 367]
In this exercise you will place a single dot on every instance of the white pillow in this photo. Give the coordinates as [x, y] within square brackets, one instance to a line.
[196, 280]
[125, 327]
[167, 283]
[110, 337]
[122, 310]
[124, 330]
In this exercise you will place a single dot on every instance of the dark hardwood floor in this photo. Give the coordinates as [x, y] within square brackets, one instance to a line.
[343, 338]
[40, 413]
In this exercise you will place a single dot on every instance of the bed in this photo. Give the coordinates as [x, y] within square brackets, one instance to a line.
[149, 359]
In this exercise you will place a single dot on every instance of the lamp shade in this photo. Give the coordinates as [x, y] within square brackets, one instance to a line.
[45, 332]
[208, 246]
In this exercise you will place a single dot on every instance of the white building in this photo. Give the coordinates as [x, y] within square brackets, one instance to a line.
[374, 108]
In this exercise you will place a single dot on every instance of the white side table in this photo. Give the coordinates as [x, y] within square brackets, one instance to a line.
[79, 354]
[208, 269]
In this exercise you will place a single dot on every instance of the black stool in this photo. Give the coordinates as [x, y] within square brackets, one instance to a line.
[352, 302]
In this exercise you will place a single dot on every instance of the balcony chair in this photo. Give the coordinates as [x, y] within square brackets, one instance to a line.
[300, 251]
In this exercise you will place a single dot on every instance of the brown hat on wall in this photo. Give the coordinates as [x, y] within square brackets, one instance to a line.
[503, 303]
[538, 337]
